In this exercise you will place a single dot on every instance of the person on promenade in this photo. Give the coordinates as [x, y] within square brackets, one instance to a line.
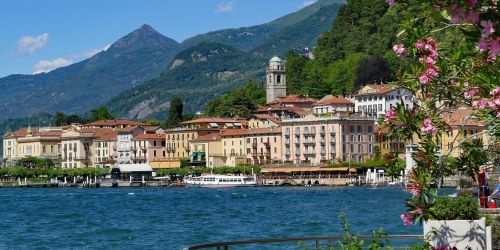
[495, 195]
[482, 181]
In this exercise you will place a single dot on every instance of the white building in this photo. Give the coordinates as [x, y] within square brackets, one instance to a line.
[124, 150]
[331, 105]
[377, 99]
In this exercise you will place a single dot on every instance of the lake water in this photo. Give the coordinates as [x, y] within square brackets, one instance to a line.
[176, 218]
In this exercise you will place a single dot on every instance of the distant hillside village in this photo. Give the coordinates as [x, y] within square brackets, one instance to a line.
[289, 129]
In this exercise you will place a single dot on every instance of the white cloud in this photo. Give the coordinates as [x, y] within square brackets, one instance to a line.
[307, 3]
[46, 66]
[30, 44]
[224, 7]
[92, 52]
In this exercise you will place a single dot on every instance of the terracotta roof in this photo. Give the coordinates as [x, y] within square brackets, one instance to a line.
[268, 117]
[233, 132]
[215, 120]
[208, 137]
[149, 137]
[293, 99]
[128, 129]
[101, 134]
[378, 89]
[255, 131]
[35, 132]
[459, 117]
[115, 123]
[278, 108]
[332, 101]
[151, 128]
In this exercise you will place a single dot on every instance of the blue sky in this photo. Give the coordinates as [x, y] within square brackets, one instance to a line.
[37, 36]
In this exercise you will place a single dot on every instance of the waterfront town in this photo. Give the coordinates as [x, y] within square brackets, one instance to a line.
[290, 135]
[298, 124]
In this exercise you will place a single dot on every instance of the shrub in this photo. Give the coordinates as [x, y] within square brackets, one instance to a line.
[458, 208]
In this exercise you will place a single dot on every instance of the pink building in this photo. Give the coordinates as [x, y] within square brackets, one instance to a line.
[317, 140]
[148, 147]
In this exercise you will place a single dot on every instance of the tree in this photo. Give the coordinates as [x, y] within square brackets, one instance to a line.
[60, 119]
[174, 116]
[101, 113]
[447, 50]
[341, 74]
[294, 67]
[372, 69]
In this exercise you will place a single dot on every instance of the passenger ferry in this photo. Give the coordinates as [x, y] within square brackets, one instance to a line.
[213, 180]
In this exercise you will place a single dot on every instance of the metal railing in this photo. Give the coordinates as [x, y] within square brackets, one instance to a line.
[321, 242]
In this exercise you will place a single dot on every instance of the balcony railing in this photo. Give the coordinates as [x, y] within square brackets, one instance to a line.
[318, 242]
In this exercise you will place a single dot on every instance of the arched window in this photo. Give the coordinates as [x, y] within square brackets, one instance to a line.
[278, 79]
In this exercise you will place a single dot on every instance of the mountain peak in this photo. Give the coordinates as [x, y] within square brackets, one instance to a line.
[143, 37]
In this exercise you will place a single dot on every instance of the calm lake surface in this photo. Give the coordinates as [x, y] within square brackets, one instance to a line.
[176, 218]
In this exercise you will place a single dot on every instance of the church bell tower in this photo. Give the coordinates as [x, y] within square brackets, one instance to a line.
[275, 79]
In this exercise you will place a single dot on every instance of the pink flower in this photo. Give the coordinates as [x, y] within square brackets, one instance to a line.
[420, 211]
[407, 218]
[390, 2]
[428, 126]
[430, 60]
[432, 72]
[495, 91]
[492, 105]
[399, 49]
[420, 44]
[473, 17]
[488, 28]
[472, 3]
[424, 79]
[481, 104]
[389, 115]
[466, 84]
[483, 45]
[470, 93]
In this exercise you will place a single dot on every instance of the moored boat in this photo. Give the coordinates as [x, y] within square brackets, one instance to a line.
[214, 180]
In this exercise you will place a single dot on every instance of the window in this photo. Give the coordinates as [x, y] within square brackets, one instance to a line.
[370, 138]
[370, 129]
[360, 129]
[352, 148]
[351, 129]
[359, 138]
[154, 153]
[352, 138]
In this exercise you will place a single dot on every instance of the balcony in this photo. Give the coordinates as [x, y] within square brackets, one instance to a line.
[254, 145]
[309, 142]
[307, 133]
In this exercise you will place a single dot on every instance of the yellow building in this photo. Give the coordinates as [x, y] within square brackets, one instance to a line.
[207, 150]
[35, 142]
[234, 146]
[464, 127]
[178, 139]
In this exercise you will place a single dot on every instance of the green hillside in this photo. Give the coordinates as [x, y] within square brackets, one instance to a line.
[196, 75]
[301, 35]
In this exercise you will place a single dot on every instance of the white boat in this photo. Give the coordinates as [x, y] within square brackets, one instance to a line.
[214, 180]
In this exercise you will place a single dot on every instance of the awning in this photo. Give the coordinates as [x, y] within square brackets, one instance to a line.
[201, 154]
[128, 168]
[193, 155]
[306, 169]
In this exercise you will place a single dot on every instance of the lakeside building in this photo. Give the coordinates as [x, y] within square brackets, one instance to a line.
[264, 121]
[316, 140]
[178, 139]
[464, 126]
[87, 147]
[388, 145]
[264, 146]
[333, 105]
[207, 151]
[36, 142]
[377, 99]
[123, 148]
[148, 148]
